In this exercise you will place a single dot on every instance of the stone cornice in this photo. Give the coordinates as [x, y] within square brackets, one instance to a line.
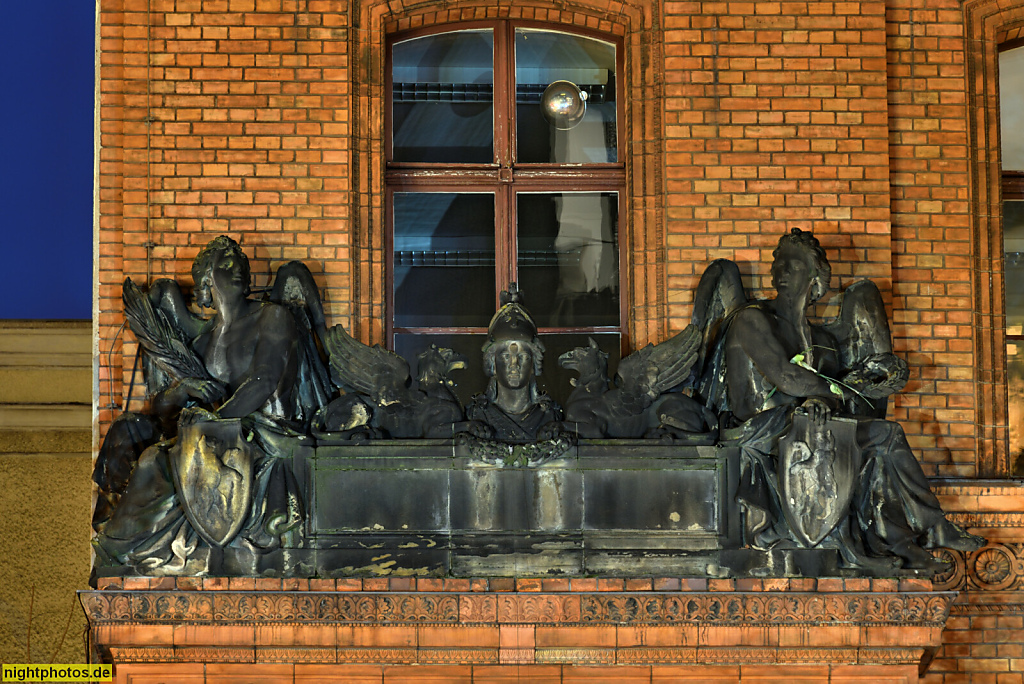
[987, 519]
[921, 608]
[176, 627]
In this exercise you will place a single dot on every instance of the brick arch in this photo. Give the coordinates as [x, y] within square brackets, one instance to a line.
[1008, 33]
[636, 21]
[988, 23]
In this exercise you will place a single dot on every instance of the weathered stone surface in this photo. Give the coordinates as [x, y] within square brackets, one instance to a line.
[614, 507]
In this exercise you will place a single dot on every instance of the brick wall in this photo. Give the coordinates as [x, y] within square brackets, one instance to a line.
[982, 643]
[221, 116]
[775, 119]
[931, 231]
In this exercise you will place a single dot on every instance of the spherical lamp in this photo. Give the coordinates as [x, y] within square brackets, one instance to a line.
[563, 104]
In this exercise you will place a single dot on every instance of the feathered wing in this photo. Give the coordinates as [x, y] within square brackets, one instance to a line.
[295, 289]
[865, 348]
[650, 372]
[670, 362]
[160, 336]
[719, 294]
[356, 367]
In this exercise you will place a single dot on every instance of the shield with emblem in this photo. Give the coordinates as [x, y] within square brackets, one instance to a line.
[212, 466]
[818, 468]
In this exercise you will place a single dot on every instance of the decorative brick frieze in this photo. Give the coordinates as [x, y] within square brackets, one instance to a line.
[989, 520]
[719, 608]
[997, 567]
[856, 623]
[1012, 606]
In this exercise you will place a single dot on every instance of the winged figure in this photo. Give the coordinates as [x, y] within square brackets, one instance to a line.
[641, 403]
[167, 330]
[856, 346]
[779, 382]
[251, 371]
[378, 390]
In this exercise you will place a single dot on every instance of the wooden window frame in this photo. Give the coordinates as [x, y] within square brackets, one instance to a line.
[505, 177]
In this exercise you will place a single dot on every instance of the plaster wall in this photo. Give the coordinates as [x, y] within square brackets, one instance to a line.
[46, 499]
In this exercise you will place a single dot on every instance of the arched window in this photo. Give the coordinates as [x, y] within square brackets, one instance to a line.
[483, 188]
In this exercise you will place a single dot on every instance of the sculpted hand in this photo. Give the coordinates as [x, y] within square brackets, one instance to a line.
[818, 410]
[204, 391]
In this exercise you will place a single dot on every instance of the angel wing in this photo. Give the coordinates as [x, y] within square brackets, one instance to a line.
[656, 369]
[865, 349]
[295, 289]
[361, 368]
[719, 294]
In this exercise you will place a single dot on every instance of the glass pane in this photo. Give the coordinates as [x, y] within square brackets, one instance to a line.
[1011, 109]
[554, 379]
[568, 258]
[442, 91]
[1013, 246]
[469, 381]
[546, 56]
[443, 259]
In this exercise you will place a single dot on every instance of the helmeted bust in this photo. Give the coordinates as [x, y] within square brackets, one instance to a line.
[513, 409]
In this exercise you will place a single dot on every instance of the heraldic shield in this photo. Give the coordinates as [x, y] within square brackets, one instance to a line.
[819, 462]
[212, 465]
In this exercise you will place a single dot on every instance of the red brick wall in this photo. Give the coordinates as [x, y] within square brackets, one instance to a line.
[775, 119]
[221, 116]
[932, 305]
[982, 643]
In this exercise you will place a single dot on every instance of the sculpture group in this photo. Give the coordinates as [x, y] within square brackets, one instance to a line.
[235, 393]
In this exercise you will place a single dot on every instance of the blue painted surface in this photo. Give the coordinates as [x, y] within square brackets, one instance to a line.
[46, 158]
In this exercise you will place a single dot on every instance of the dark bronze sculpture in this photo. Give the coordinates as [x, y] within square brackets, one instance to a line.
[513, 409]
[253, 374]
[380, 401]
[641, 404]
[775, 375]
[224, 466]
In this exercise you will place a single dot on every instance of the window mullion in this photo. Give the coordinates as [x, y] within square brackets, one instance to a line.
[505, 227]
[505, 237]
[504, 95]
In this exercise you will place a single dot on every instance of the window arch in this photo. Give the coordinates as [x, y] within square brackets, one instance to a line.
[640, 94]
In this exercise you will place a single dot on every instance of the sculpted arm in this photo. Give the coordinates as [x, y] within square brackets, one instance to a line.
[274, 361]
[753, 333]
[170, 401]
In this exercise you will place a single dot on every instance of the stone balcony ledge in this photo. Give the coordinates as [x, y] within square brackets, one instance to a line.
[649, 622]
